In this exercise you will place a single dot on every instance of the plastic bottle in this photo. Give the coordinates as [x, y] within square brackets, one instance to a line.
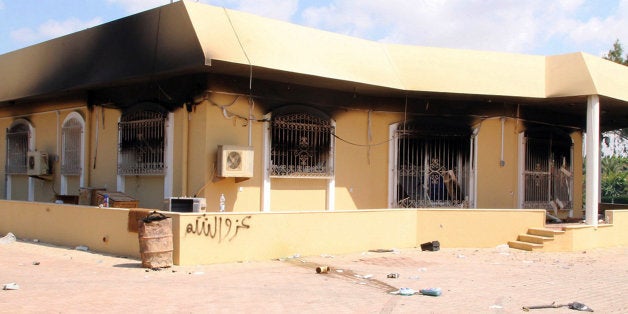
[105, 200]
[222, 202]
[431, 292]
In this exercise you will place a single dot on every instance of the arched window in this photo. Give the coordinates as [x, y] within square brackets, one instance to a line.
[72, 145]
[141, 133]
[301, 144]
[18, 136]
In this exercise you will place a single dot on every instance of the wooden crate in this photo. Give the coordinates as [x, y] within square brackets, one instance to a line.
[87, 195]
[116, 199]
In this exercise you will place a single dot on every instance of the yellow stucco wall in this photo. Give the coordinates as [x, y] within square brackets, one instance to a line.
[578, 180]
[100, 229]
[46, 119]
[497, 185]
[210, 127]
[361, 171]
[476, 227]
[230, 237]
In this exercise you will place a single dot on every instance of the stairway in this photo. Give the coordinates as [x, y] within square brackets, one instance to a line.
[535, 238]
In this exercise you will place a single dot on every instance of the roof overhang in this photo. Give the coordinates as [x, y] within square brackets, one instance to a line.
[191, 38]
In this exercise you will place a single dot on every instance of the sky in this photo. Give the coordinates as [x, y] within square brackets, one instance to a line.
[540, 27]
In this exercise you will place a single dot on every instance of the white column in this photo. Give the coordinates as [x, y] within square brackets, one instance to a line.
[169, 169]
[266, 167]
[592, 160]
[331, 194]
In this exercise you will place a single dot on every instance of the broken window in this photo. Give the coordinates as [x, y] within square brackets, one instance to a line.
[72, 142]
[548, 179]
[432, 167]
[301, 145]
[17, 148]
[141, 143]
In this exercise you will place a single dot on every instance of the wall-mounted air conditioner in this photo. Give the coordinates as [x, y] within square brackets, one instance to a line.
[37, 163]
[187, 204]
[235, 161]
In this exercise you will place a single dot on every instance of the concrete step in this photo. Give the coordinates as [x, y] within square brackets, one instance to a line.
[527, 246]
[534, 238]
[544, 232]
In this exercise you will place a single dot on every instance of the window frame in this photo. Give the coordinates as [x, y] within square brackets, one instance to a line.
[304, 146]
[432, 165]
[150, 148]
[29, 132]
[78, 152]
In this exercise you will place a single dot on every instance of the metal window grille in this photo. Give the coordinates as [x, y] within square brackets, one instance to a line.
[548, 179]
[141, 143]
[432, 169]
[301, 146]
[71, 135]
[17, 149]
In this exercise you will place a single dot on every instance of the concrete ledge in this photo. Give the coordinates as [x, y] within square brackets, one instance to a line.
[208, 238]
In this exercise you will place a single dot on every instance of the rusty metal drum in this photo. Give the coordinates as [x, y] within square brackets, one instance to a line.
[155, 236]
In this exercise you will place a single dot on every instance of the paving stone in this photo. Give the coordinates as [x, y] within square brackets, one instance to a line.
[484, 281]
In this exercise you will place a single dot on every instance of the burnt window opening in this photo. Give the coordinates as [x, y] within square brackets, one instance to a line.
[71, 136]
[548, 173]
[432, 167]
[141, 144]
[17, 148]
[301, 145]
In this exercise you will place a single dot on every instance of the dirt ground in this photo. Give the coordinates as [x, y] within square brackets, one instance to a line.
[51, 279]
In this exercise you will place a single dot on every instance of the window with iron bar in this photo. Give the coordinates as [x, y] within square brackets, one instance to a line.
[432, 167]
[301, 146]
[71, 135]
[17, 149]
[141, 143]
[548, 179]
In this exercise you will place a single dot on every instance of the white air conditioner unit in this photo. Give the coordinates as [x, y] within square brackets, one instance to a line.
[187, 204]
[235, 161]
[37, 163]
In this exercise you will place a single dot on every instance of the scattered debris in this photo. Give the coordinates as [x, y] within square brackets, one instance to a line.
[404, 291]
[369, 276]
[8, 238]
[82, 248]
[35, 263]
[322, 269]
[422, 269]
[327, 256]
[339, 270]
[382, 250]
[393, 275]
[461, 256]
[495, 306]
[433, 292]
[574, 306]
[36, 240]
[10, 286]
[430, 246]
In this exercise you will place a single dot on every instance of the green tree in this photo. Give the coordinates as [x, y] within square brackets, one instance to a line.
[616, 54]
[614, 177]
